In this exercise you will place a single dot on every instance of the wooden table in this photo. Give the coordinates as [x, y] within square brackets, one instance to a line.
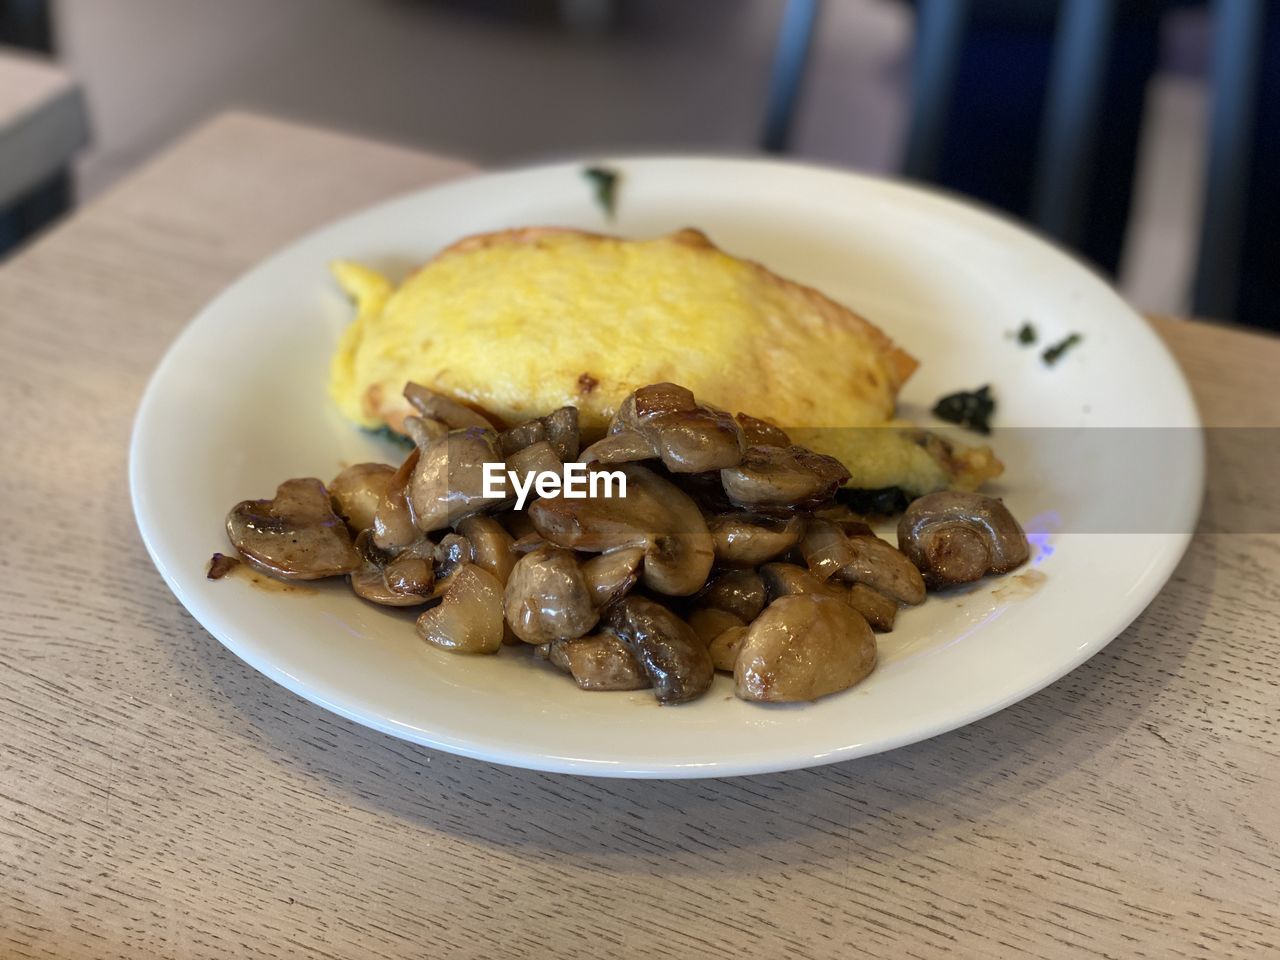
[159, 798]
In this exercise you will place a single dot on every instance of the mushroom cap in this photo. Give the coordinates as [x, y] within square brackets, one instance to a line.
[741, 592]
[861, 558]
[294, 536]
[547, 597]
[672, 655]
[877, 609]
[664, 420]
[885, 569]
[825, 549]
[782, 477]
[955, 537]
[411, 576]
[611, 575]
[709, 622]
[789, 579]
[761, 433]
[423, 430]
[559, 428]
[748, 539]
[370, 581]
[448, 483]
[393, 526]
[599, 662]
[469, 619]
[724, 648]
[655, 515]
[491, 546]
[538, 457]
[442, 409]
[358, 490]
[801, 648]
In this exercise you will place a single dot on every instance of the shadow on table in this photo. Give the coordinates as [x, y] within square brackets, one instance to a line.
[971, 779]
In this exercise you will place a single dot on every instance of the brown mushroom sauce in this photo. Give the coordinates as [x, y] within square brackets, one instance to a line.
[729, 552]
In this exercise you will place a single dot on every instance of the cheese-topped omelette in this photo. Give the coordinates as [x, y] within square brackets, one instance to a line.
[521, 322]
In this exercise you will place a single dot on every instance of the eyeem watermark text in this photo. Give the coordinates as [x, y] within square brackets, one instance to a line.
[574, 484]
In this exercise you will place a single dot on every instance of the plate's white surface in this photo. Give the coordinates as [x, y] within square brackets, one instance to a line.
[239, 404]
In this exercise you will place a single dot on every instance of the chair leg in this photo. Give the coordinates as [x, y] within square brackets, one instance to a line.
[1065, 158]
[790, 63]
[939, 34]
[1237, 48]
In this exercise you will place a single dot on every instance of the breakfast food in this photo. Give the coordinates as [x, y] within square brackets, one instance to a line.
[697, 540]
[523, 322]
[563, 496]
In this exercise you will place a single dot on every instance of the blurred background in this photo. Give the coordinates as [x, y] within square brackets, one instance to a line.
[1144, 134]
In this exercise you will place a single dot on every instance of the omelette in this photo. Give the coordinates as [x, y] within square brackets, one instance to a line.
[521, 322]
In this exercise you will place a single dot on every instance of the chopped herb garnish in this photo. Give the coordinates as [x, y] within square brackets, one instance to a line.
[1026, 334]
[604, 183]
[1054, 353]
[386, 433]
[971, 409]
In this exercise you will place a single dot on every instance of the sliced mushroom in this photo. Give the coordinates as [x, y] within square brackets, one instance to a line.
[599, 662]
[724, 648]
[877, 609]
[789, 579]
[761, 433]
[664, 420]
[442, 409]
[371, 583]
[748, 539]
[955, 537]
[741, 592]
[358, 490]
[783, 477]
[491, 546]
[654, 514]
[611, 575]
[295, 536]
[673, 657]
[448, 483]
[560, 429]
[625, 447]
[423, 431]
[537, 458]
[801, 648]
[547, 597]
[469, 619]
[883, 568]
[393, 526]
[825, 549]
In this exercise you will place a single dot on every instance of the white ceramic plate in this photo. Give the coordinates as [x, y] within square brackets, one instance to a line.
[239, 404]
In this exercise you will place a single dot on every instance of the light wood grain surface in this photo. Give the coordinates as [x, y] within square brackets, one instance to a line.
[158, 798]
